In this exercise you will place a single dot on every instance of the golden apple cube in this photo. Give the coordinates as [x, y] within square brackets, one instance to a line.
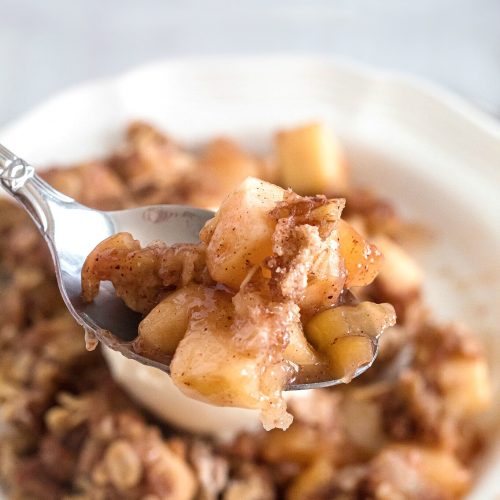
[311, 160]
[298, 350]
[365, 318]
[435, 471]
[223, 166]
[466, 385]
[400, 275]
[164, 327]
[207, 366]
[344, 335]
[312, 481]
[240, 235]
[347, 354]
[362, 260]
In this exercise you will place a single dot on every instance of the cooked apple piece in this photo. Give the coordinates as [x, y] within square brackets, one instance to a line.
[223, 166]
[240, 236]
[416, 471]
[325, 279]
[163, 328]
[400, 276]
[311, 160]
[321, 292]
[142, 275]
[363, 422]
[229, 379]
[206, 365]
[138, 286]
[362, 260]
[357, 222]
[466, 385]
[344, 334]
[312, 482]
[229, 359]
[225, 160]
[347, 354]
[115, 247]
[299, 444]
[298, 350]
[365, 318]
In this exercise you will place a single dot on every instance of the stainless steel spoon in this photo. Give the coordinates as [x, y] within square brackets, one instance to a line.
[72, 231]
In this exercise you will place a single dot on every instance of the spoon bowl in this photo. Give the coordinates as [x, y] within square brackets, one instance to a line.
[72, 231]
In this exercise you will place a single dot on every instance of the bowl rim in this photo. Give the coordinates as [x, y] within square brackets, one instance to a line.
[459, 105]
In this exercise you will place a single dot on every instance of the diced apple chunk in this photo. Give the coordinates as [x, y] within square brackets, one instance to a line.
[312, 481]
[299, 444]
[225, 160]
[311, 160]
[164, 327]
[320, 293]
[223, 166]
[324, 282]
[347, 354]
[416, 471]
[298, 350]
[228, 380]
[206, 366]
[466, 385]
[345, 334]
[362, 260]
[400, 276]
[240, 236]
[365, 318]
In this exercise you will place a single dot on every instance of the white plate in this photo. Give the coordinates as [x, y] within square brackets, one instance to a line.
[431, 153]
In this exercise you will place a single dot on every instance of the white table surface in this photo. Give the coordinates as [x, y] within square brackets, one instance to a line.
[48, 45]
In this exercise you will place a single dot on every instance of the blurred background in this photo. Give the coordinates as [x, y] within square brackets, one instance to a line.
[47, 45]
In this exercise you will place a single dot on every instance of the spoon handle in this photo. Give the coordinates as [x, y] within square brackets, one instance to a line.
[14, 171]
[20, 180]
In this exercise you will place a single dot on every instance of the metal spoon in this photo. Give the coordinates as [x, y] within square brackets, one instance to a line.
[72, 231]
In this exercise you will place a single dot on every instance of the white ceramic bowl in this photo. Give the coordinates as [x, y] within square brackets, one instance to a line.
[435, 156]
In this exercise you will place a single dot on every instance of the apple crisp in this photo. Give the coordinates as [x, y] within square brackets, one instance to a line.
[259, 303]
[406, 429]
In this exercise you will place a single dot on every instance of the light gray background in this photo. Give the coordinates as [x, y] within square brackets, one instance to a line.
[46, 45]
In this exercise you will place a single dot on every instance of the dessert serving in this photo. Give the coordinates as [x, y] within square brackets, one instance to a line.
[261, 301]
[406, 428]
